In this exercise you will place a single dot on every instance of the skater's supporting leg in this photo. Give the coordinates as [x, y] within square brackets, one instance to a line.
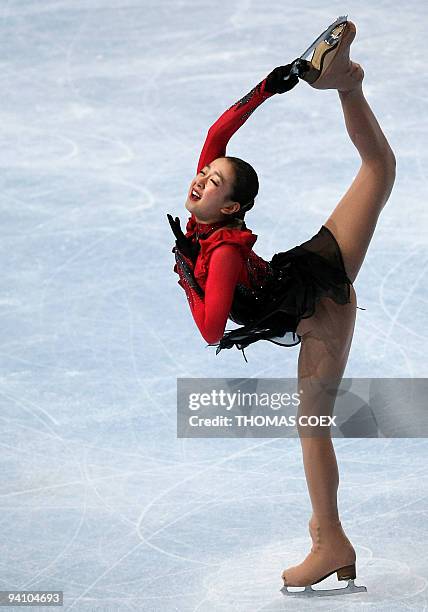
[325, 346]
[354, 219]
[326, 341]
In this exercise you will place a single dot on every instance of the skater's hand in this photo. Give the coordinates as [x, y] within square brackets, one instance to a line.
[182, 243]
[275, 81]
[176, 229]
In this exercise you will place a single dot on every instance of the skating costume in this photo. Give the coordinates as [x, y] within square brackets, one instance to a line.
[229, 280]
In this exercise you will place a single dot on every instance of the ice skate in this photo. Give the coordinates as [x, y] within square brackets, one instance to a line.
[300, 65]
[330, 66]
[331, 552]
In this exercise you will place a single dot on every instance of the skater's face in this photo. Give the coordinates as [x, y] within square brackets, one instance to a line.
[214, 184]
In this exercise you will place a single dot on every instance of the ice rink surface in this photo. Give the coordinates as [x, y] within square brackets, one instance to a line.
[105, 107]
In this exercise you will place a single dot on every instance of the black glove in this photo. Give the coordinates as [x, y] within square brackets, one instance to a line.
[189, 248]
[275, 82]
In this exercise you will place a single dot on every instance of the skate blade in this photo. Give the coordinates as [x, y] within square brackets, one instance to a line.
[325, 36]
[310, 592]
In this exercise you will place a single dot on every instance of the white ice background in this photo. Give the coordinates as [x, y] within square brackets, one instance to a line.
[104, 108]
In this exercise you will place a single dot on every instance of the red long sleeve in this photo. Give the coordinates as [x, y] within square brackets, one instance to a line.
[211, 312]
[229, 122]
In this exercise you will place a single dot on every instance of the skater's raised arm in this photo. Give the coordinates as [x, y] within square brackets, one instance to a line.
[234, 117]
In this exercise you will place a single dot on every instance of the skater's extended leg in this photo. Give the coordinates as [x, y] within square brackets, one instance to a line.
[354, 219]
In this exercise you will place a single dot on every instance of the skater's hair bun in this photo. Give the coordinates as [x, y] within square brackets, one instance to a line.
[245, 187]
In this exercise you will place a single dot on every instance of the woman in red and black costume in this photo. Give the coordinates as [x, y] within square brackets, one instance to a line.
[304, 295]
[221, 274]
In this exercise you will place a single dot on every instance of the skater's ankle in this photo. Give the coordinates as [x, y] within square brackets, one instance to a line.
[354, 91]
[325, 520]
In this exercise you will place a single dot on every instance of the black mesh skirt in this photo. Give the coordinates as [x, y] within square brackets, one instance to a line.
[299, 278]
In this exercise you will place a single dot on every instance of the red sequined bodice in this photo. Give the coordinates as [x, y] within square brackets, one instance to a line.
[258, 271]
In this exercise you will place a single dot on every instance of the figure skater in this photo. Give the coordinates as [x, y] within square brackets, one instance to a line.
[302, 296]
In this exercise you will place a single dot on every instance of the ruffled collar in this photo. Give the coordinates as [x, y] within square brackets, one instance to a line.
[203, 230]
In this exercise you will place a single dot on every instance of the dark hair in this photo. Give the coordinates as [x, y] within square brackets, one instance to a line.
[245, 186]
